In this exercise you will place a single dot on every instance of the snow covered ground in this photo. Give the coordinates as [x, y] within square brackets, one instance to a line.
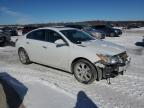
[51, 88]
[136, 30]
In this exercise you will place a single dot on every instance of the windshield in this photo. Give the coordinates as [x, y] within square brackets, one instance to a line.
[77, 36]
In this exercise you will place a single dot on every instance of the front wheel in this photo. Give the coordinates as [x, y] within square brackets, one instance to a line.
[23, 56]
[84, 71]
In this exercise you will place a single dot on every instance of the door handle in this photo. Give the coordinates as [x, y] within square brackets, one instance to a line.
[44, 47]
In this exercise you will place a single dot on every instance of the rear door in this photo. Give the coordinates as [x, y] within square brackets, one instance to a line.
[35, 43]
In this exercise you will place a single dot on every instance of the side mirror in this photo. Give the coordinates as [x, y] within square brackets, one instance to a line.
[60, 43]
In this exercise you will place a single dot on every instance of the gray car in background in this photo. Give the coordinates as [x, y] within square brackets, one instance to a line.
[95, 33]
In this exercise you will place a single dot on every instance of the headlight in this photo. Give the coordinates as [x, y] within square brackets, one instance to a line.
[114, 59]
[108, 59]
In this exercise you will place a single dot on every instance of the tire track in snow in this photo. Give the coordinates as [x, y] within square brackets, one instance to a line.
[128, 85]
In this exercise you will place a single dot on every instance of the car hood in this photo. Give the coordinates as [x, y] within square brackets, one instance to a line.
[103, 47]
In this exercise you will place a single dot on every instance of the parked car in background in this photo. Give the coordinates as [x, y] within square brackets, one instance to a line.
[132, 26]
[12, 31]
[77, 26]
[27, 29]
[110, 31]
[95, 33]
[5, 37]
[74, 51]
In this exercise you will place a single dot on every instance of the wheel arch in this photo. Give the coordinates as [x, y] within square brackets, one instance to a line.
[76, 59]
[20, 48]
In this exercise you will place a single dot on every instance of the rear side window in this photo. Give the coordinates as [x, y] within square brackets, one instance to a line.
[37, 35]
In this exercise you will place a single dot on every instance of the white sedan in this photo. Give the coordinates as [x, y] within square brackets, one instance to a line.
[74, 51]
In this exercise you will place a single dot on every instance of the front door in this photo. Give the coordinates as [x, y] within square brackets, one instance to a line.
[56, 55]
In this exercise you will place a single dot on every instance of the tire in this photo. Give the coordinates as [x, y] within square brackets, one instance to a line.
[112, 34]
[100, 74]
[84, 71]
[23, 56]
[2, 41]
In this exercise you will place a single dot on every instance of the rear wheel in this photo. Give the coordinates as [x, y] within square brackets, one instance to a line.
[23, 56]
[84, 71]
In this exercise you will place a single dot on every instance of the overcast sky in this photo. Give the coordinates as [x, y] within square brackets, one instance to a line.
[45, 11]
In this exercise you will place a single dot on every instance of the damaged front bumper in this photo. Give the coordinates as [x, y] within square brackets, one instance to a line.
[108, 69]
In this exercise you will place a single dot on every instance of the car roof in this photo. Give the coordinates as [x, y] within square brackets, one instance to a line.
[57, 28]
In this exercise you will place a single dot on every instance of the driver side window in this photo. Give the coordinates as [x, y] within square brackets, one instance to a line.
[52, 36]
